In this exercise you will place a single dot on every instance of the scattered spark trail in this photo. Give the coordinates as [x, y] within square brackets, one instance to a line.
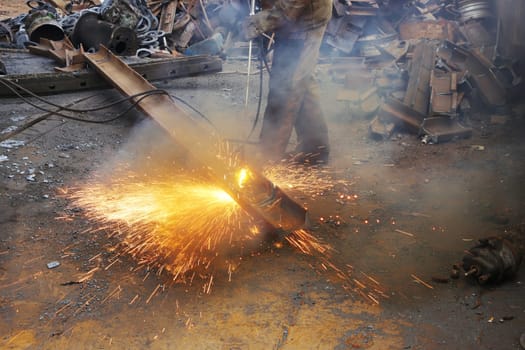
[188, 226]
[312, 181]
[368, 288]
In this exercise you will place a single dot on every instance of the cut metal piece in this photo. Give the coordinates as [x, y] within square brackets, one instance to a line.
[343, 32]
[480, 72]
[61, 51]
[399, 113]
[442, 129]
[376, 32]
[478, 37]
[432, 129]
[444, 94]
[440, 30]
[418, 92]
[260, 198]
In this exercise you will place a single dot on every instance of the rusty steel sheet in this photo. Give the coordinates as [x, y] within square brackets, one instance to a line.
[476, 34]
[260, 198]
[479, 70]
[440, 30]
[418, 91]
[444, 98]
[442, 129]
[432, 129]
[343, 32]
[399, 113]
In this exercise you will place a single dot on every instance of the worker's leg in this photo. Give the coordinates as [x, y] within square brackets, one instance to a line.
[284, 98]
[310, 126]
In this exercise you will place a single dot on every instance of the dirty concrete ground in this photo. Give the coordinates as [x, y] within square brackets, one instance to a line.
[445, 195]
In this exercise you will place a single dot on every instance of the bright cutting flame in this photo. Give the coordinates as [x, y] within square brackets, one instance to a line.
[242, 177]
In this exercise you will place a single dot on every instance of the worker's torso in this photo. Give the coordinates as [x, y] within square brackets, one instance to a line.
[309, 15]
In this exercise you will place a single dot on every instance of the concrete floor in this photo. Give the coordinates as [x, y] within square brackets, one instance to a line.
[446, 195]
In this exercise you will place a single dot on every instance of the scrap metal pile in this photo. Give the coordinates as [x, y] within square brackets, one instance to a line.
[422, 65]
[126, 27]
[419, 64]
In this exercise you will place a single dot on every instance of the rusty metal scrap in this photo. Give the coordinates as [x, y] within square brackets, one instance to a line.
[476, 34]
[480, 72]
[61, 51]
[6, 33]
[43, 24]
[433, 29]
[442, 129]
[399, 113]
[91, 32]
[493, 259]
[343, 32]
[380, 129]
[444, 97]
[430, 129]
[167, 16]
[418, 93]
[380, 32]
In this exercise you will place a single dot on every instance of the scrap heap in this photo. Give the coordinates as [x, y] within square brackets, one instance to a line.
[419, 64]
[424, 64]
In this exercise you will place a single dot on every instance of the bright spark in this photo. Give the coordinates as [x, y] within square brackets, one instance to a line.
[243, 176]
[177, 224]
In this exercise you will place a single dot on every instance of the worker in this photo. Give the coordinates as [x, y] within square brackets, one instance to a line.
[293, 97]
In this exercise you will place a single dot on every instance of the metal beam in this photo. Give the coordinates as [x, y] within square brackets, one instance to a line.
[260, 198]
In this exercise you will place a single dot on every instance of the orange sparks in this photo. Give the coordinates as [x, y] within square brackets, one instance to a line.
[189, 227]
[177, 224]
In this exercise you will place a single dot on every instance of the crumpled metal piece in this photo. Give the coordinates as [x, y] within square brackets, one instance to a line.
[493, 259]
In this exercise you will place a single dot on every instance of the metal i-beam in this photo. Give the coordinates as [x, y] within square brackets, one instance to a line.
[259, 197]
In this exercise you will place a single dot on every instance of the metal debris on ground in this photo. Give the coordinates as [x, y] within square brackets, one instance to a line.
[492, 260]
[53, 264]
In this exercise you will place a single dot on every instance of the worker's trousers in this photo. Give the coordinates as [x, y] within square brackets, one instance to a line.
[293, 98]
